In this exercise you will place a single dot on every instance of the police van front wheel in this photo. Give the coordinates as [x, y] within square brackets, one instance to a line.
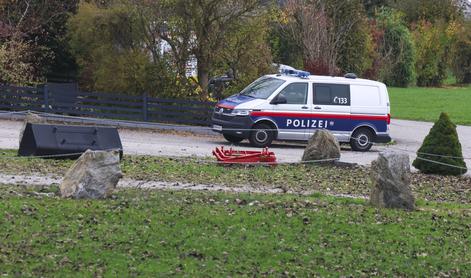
[261, 136]
[362, 140]
[232, 138]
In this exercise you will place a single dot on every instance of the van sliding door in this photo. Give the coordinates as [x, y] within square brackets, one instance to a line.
[331, 109]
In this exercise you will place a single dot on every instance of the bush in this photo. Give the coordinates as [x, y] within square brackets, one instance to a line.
[443, 147]
[431, 44]
[461, 55]
[21, 63]
[396, 50]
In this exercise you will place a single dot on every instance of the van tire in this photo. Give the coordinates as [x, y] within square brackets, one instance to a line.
[362, 140]
[232, 138]
[262, 135]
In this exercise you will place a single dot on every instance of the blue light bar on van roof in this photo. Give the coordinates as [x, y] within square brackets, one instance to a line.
[296, 73]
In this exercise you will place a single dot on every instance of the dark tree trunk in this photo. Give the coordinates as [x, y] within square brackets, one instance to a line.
[203, 77]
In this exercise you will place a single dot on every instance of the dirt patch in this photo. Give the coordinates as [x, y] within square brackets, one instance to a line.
[42, 182]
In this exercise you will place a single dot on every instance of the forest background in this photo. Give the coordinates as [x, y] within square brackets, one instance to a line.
[136, 46]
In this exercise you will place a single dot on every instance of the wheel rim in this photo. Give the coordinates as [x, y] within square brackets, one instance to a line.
[363, 140]
[261, 136]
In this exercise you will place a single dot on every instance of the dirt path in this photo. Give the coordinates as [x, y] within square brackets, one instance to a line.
[46, 181]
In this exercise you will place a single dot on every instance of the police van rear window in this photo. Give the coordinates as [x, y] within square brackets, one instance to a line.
[331, 94]
[262, 88]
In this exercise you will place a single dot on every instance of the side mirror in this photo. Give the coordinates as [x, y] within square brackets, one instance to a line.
[280, 99]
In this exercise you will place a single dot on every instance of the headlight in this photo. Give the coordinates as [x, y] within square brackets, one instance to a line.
[241, 112]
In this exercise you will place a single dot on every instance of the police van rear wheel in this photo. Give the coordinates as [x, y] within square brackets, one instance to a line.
[232, 138]
[362, 140]
[262, 136]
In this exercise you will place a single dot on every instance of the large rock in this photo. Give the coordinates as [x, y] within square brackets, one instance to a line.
[33, 119]
[93, 176]
[321, 146]
[390, 174]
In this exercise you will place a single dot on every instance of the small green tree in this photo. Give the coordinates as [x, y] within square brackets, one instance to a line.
[441, 152]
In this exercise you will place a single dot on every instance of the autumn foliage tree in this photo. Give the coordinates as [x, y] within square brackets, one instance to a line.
[432, 45]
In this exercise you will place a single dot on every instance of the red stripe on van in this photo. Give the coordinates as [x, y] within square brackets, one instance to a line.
[225, 106]
[321, 116]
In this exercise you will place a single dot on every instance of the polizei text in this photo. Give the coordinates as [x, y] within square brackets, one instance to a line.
[307, 123]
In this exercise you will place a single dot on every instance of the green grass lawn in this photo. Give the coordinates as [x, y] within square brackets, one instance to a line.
[426, 104]
[155, 233]
[159, 233]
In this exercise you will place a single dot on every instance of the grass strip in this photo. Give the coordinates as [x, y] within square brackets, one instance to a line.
[325, 179]
[426, 104]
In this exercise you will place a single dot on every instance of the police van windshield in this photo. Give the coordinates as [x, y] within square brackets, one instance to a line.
[262, 88]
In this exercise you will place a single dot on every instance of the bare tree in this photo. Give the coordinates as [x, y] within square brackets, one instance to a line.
[317, 28]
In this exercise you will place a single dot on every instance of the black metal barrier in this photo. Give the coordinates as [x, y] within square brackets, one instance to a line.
[62, 141]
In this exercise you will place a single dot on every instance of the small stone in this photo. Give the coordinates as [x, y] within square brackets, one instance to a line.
[254, 203]
[322, 146]
[305, 220]
[240, 202]
[390, 174]
[93, 176]
[31, 119]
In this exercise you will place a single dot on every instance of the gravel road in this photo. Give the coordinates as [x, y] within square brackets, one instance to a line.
[408, 135]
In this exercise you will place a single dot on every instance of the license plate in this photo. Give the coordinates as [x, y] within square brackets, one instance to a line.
[217, 127]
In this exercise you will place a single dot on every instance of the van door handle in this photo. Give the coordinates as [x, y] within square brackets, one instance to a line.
[304, 107]
[317, 108]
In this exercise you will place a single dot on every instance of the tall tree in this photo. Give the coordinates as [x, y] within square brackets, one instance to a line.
[461, 53]
[40, 24]
[432, 43]
[374, 6]
[356, 54]
[333, 34]
[200, 28]
[314, 27]
[212, 22]
[396, 50]
[150, 43]
[430, 10]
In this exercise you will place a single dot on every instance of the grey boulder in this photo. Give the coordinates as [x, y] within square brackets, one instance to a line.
[32, 119]
[93, 176]
[322, 146]
[390, 174]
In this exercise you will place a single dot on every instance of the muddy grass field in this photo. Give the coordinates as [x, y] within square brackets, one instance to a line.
[296, 178]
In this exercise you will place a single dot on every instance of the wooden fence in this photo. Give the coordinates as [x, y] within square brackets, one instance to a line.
[105, 105]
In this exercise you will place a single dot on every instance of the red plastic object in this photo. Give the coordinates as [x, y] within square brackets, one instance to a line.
[234, 156]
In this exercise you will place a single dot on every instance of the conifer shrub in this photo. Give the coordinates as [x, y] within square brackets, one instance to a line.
[440, 152]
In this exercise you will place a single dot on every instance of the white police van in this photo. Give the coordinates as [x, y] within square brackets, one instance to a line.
[292, 105]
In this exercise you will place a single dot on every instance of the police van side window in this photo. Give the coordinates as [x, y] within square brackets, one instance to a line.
[295, 93]
[331, 94]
